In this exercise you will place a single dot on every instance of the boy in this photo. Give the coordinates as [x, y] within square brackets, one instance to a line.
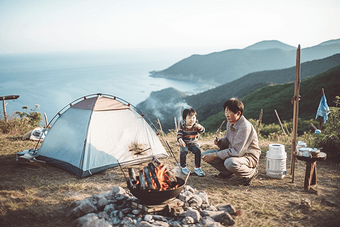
[187, 137]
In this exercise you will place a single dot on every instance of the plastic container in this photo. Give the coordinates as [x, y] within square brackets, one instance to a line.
[276, 161]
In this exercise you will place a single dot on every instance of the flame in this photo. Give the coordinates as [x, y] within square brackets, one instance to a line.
[163, 179]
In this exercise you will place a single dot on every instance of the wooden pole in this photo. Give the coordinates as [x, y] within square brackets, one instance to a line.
[321, 119]
[295, 110]
[8, 97]
[278, 118]
[259, 123]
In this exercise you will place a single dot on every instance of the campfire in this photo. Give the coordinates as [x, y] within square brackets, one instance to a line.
[154, 184]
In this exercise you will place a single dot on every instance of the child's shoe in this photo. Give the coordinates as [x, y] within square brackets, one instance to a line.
[185, 170]
[199, 172]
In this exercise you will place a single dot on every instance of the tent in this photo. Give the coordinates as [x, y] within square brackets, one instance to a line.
[97, 132]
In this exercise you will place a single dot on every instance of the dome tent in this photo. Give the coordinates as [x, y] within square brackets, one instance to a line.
[97, 132]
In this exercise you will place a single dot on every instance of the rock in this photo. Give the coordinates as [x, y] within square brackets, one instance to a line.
[193, 214]
[91, 220]
[102, 202]
[103, 215]
[306, 203]
[188, 220]
[144, 224]
[159, 218]
[116, 191]
[203, 195]
[228, 208]
[86, 206]
[189, 189]
[224, 218]
[210, 222]
[211, 214]
[109, 208]
[185, 196]
[195, 202]
[127, 222]
[149, 218]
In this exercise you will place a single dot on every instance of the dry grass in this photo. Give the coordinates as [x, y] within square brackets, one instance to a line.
[31, 196]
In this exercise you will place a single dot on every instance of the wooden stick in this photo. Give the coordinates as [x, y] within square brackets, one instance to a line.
[277, 115]
[295, 111]
[260, 121]
[160, 126]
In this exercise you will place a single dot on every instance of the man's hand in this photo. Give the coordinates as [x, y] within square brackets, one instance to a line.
[181, 143]
[209, 157]
[217, 142]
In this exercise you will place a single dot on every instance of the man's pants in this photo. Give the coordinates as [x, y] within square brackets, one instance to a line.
[240, 166]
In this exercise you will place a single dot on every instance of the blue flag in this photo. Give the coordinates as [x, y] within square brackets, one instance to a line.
[323, 109]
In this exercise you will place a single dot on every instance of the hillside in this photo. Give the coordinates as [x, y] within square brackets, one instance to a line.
[279, 97]
[226, 66]
[207, 101]
[210, 102]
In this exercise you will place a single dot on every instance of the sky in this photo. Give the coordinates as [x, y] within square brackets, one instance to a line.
[195, 25]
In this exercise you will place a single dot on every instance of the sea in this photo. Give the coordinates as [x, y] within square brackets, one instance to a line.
[47, 82]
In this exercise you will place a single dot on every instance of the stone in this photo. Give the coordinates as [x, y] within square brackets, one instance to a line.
[211, 214]
[144, 224]
[195, 202]
[109, 208]
[103, 215]
[224, 218]
[189, 188]
[210, 222]
[116, 190]
[193, 214]
[188, 220]
[228, 208]
[86, 206]
[102, 202]
[91, 220]
[306, 203]
[148, 218]
[185, 196]
[159, 218]
[203, 195]
[127, 222]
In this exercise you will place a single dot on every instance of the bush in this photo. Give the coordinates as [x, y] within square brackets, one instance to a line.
[329, 139]
[21, 122]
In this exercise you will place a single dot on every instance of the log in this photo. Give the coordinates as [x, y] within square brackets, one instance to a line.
[142, 181]
[148, 177]
[132, 178]
[153, 174]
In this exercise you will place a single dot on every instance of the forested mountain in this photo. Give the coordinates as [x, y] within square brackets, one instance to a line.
[278, 97]
[226, 66]
[167, 104]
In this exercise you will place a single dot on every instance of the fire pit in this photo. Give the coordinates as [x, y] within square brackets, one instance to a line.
[154, 185]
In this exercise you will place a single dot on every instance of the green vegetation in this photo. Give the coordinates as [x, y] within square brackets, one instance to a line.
[21, 121]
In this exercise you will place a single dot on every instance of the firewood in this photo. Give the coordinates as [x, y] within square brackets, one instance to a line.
[142, 181]
[132, 175]
[148, 177]
[153, 174]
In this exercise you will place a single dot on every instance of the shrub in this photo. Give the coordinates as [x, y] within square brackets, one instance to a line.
[21, 122]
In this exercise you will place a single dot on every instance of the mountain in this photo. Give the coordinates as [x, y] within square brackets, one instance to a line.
[221, 67]
[167, 104]
[278, 97]
[270, 44]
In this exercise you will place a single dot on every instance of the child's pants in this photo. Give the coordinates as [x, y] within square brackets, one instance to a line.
[195, 149]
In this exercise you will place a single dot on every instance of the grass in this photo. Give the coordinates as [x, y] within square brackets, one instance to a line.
[31, 196]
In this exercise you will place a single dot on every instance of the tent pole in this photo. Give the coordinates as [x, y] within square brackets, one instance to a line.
[295, 111]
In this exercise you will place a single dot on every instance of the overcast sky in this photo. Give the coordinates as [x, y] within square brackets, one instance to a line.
[202, 26]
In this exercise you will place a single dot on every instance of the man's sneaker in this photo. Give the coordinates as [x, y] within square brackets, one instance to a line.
[199, 172]
[185, 170]
[246, 181]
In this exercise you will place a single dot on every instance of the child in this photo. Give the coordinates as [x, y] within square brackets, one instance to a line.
[187, 137]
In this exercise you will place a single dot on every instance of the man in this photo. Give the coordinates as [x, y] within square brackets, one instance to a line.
[239, 151]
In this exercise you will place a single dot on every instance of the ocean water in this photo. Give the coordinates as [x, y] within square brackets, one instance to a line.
[53, 80]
